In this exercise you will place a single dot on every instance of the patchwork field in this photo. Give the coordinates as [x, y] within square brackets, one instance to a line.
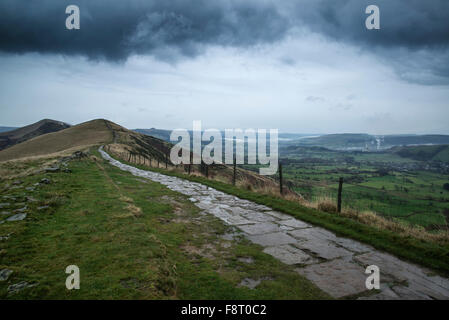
[384, 182]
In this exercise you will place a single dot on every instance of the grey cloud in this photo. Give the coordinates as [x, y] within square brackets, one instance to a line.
[314, 99]
[169, 29]
[413, 35]
[413, 24]
[117, 29]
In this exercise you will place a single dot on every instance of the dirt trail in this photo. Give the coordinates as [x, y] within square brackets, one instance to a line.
[335, 264]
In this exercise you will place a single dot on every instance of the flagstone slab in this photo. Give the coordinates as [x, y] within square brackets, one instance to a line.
[289, 254]
[338, 277]
[272, 239]
[295, 224]
[260, 228]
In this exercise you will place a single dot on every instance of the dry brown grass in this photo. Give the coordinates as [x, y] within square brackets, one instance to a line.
[62, 142]
[375, 220]
[396, 226]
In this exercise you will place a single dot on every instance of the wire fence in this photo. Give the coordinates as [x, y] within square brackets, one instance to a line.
[423, 210]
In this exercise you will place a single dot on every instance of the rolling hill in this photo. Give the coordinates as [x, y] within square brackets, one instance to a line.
[5, 129]
[424, 153]
[82, 136]
[122, 143]
[15, 136]
[361, 141]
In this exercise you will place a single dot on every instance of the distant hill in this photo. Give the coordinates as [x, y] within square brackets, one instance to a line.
[157, 133]
[397, 140]
[4, 129]
[165, 134]
[361, 141]
[424, 153]
[15, 136]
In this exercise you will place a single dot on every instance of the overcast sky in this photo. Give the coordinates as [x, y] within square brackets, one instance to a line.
[307, 66]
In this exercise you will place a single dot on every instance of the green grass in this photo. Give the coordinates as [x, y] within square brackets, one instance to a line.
[428, 254]
[132, 239]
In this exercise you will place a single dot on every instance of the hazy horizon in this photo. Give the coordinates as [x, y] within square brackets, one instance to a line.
[280, 131]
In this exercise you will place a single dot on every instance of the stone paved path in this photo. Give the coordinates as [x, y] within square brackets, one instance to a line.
[336, 265]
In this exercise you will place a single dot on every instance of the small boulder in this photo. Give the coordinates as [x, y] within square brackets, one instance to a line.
[79, 155]
[45, 181]
[21, 210]
[17, 217]
[52, 169]
[4, 274]
[15, 288]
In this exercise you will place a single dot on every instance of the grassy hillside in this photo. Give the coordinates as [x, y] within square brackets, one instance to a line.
[131, 239]
[424, 153]
[129, 145]
[82, 135]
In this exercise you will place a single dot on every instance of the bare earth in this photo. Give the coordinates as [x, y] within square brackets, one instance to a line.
[336, 265]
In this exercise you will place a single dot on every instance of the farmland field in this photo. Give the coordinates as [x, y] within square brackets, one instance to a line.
[383, 182]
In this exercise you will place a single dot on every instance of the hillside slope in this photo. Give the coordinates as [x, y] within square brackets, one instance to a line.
[82, 135]
[5, 129]
[10, 138]
[126, 144]
[424, 153]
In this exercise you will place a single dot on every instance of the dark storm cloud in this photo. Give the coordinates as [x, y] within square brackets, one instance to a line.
[116, 29]
[414, 33]
[404, 23]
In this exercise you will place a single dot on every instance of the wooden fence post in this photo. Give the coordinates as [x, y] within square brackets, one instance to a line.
[235, 171]
[340, 187]
[166, 160]
[280, 178]
[189, 166]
